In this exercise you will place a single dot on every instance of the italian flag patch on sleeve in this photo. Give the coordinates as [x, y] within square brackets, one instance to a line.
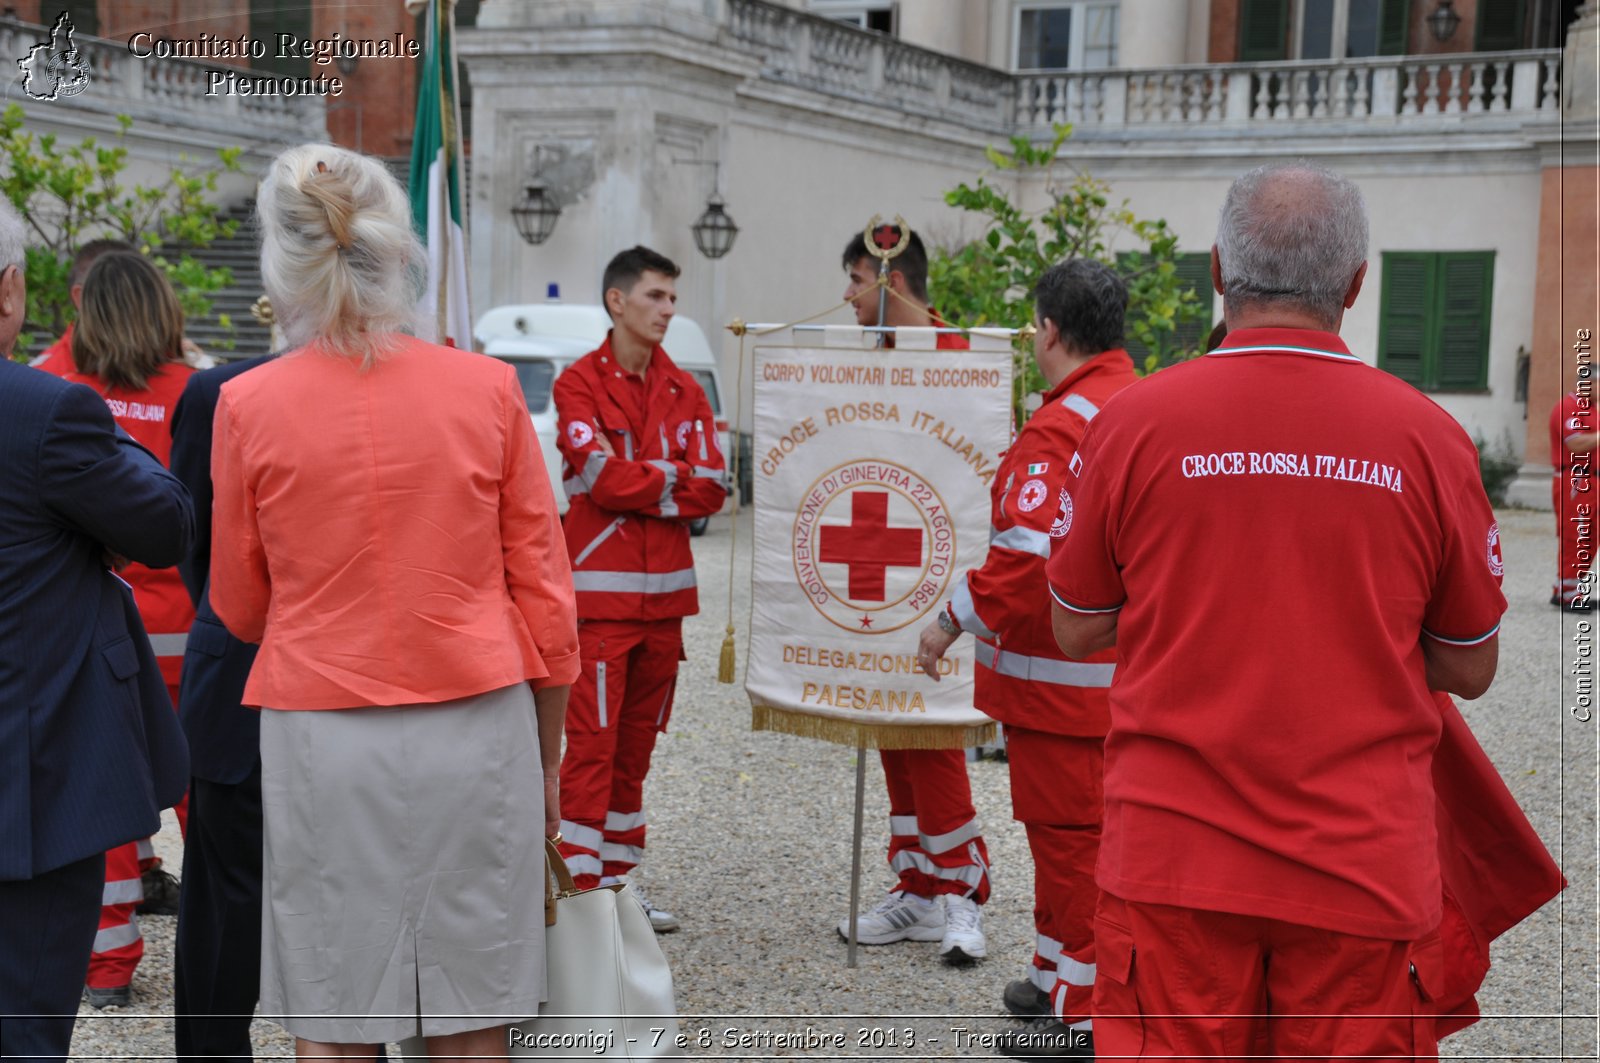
[1038, 468]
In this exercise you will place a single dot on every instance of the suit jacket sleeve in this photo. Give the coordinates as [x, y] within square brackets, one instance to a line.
[191, 463]
[240, 588]
[109, 487]
[538, 574]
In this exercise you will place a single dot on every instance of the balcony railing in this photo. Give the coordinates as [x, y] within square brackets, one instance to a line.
[171, 91]
[1526, 85]
[808, 51]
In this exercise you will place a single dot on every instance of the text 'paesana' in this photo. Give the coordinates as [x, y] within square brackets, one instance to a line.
[1274, 463]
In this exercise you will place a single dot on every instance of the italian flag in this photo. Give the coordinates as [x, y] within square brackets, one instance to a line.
[436, 184]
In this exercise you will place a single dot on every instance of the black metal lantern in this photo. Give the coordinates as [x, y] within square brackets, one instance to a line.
[1444, 20]
[714, 231]
[536, 214]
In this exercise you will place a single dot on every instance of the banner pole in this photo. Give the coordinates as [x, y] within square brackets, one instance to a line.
[855, 848]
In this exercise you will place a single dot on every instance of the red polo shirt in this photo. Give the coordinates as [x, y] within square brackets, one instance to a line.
[1279, 526]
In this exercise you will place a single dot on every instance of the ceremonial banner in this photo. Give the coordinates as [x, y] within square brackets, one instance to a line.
[872, 474]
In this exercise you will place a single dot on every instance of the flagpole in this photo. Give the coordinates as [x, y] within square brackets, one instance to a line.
[441, 307]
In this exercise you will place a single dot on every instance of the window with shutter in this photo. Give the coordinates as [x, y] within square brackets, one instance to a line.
[1500, 25]
[1394, 27]
[1194, 272]
[1263, 30]
[1433, 328]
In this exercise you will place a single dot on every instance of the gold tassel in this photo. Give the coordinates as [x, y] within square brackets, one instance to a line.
[725, 662]
[873, 736]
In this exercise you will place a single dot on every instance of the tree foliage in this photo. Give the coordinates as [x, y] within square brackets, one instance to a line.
[989, 281]
[69, 194]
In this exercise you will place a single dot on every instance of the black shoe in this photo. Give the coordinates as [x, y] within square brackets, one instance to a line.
[117, 996]
[160, 893]
[1574, 604]
[1046, 1038]
[1026, 1000]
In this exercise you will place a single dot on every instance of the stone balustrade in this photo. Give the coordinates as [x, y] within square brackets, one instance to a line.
[171, 92]
[808, 51]
[1525, 85]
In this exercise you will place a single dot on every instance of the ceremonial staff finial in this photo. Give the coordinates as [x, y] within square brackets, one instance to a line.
[885, 242]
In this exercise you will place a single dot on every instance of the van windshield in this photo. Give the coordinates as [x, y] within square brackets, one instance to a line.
[708, 383]
[535, 375]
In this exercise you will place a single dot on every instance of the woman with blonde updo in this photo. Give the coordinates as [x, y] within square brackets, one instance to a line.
[383, 526]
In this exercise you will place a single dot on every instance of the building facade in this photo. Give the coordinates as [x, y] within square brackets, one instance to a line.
[1475, 150]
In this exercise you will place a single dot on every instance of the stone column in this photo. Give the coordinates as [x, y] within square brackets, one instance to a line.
[1567, 299]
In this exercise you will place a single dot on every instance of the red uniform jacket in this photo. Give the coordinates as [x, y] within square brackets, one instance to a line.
[164, 603]
[57, 358]
[1023, 678]
[1496, 871]
[626, 529]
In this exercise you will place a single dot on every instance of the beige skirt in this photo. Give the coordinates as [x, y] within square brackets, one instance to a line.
[404, 868]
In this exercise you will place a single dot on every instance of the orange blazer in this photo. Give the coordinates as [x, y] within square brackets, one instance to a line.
[389, 535]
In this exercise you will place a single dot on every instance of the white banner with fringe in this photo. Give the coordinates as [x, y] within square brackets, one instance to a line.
[872, 473]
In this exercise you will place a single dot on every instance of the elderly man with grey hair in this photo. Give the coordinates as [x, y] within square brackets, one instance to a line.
[90, 750]
[1290, 549]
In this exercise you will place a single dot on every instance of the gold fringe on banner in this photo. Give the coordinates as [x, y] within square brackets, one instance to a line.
[872, 736]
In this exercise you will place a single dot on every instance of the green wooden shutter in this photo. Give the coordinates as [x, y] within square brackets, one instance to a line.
[1466, 293]
[1500, 26]
[1193, 269]
[1404, 318]
[1394, 27]
[1263, 30]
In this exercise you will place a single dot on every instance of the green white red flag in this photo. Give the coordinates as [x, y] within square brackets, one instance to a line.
[437, 182]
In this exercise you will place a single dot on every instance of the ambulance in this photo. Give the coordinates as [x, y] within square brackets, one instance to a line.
[539, 340]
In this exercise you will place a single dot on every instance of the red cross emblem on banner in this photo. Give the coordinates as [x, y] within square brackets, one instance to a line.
[869, 546]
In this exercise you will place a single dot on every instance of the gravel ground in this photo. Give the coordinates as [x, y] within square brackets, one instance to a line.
[750, 846]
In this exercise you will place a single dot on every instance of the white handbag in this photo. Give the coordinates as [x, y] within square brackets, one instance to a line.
[609, 986]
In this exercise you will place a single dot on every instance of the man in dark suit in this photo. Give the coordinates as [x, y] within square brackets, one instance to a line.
[217, 980]
[90, 750]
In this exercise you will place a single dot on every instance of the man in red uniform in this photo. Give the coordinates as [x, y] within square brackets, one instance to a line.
[56, 359]
[1054, 709]
[936, 847]
[642, 461]
[1572, 442]
[1290, 550]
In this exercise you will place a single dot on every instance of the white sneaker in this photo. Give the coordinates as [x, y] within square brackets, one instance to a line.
[963, 941]
[898, 917]
[661, 920]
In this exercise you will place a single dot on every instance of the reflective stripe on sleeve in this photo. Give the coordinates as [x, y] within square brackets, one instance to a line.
[1080, 608]
[581, 836]
[1044, 669]
[669, 508]
[705, 472]
[635, 582]
[1081, 406]
[905, 826]
[966, 613]
[1026, 540]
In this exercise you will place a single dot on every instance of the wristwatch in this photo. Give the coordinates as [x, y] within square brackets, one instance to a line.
[947, 622]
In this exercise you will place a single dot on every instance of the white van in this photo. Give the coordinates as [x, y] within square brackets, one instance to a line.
[542, 339]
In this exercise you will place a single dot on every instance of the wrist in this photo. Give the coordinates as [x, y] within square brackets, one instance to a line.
[948, 623]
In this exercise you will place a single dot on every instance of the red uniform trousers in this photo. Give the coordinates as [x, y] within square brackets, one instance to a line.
[621, 701]
[1057, 794]
[1575, 529]
[119, 944]
[935, 845]
[1187, 984]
